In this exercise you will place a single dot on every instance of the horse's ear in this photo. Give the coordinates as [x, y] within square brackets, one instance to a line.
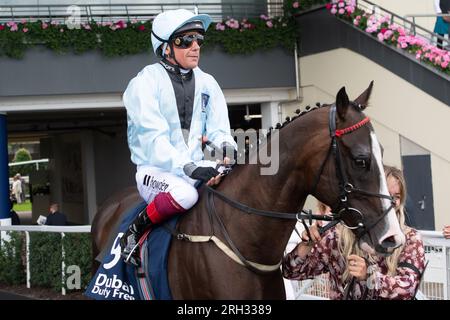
[342, 103]
[363, 98]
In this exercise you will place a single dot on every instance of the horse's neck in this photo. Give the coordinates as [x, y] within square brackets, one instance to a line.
[264, 238]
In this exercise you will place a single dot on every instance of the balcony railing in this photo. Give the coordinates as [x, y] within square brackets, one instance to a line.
[104, 13]
[405, 22]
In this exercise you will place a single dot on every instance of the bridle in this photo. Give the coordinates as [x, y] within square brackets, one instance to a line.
[343, 208]
[346, 189]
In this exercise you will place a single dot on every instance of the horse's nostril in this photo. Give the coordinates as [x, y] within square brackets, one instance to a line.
[389, 243]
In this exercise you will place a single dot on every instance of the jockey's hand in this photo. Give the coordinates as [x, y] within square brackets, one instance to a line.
[215, 181]
[204, 174]
[229, 153]
[357, 267]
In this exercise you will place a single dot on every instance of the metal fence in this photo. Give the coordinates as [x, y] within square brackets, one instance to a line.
[114, 12]
[435, 284]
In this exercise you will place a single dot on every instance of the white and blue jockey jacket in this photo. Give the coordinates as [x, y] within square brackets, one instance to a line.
[154, 133]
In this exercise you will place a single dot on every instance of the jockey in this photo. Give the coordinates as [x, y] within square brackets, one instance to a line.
[172, 108]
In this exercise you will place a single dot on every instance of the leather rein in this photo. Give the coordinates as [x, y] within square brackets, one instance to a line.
[345, 188]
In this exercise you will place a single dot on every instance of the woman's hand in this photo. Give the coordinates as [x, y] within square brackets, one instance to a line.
[313, 231]
[304, 247]
[357, 267]
[446, 232]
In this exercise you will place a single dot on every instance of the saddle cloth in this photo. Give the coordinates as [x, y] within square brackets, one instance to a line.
[116, 280]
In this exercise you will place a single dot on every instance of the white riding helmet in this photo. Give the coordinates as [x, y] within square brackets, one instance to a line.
[167, 22]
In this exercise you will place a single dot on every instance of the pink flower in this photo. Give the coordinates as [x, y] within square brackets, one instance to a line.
[380, 37]
[44, 25]
[388, 34]
[264, 17]
[61, 30]
[333, 10]
[295, 5]
[141, 27]
[121, 24]
[25, 30]
[444, 64]
[220, 26]
[341, 11]
[328, 6]
[269, 24]
[2, 27]
[232, 23]
[14, 28]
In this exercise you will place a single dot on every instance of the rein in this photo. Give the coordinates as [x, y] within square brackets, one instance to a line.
[344, 186]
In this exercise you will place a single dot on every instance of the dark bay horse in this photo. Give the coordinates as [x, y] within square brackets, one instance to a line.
[331, 153]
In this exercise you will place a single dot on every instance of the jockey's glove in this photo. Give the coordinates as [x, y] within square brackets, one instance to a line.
[229, 151]
[200, 173]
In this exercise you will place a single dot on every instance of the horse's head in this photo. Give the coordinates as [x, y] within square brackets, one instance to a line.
[349, 176]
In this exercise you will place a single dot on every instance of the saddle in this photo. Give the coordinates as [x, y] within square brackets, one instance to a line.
[116, 280]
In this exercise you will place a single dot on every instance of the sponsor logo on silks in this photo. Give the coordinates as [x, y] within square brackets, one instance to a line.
[205, 100]
[155, 184]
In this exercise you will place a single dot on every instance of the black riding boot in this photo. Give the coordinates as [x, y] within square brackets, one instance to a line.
[129, 241]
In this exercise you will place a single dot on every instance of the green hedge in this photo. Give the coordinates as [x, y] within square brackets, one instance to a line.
[45, 258]
[135, 37]
[77, 247]
[12, 260]
[131, 37]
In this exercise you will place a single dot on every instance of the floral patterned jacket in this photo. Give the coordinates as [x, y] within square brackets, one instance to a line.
[325, 257]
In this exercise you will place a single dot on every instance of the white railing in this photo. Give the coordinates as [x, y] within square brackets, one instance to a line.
[55, 229]
[435, 284]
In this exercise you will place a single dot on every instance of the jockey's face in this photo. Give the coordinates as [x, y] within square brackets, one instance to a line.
[189, 57]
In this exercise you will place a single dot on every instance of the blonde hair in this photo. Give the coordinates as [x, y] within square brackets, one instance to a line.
[346, 243]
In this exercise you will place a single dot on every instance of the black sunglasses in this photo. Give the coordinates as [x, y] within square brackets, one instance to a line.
[187, 40]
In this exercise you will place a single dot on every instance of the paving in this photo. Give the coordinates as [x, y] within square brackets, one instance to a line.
[4, 295]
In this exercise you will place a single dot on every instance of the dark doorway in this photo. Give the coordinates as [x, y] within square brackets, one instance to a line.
[243, 117]
[419, 203]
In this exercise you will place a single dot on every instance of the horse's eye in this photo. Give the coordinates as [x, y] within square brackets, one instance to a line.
[361, 163]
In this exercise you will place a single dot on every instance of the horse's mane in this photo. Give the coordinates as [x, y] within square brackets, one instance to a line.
[307, 110]
[298, 113]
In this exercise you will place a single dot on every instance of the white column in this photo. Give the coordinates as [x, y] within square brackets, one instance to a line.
[89, 185]
[270, 115]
